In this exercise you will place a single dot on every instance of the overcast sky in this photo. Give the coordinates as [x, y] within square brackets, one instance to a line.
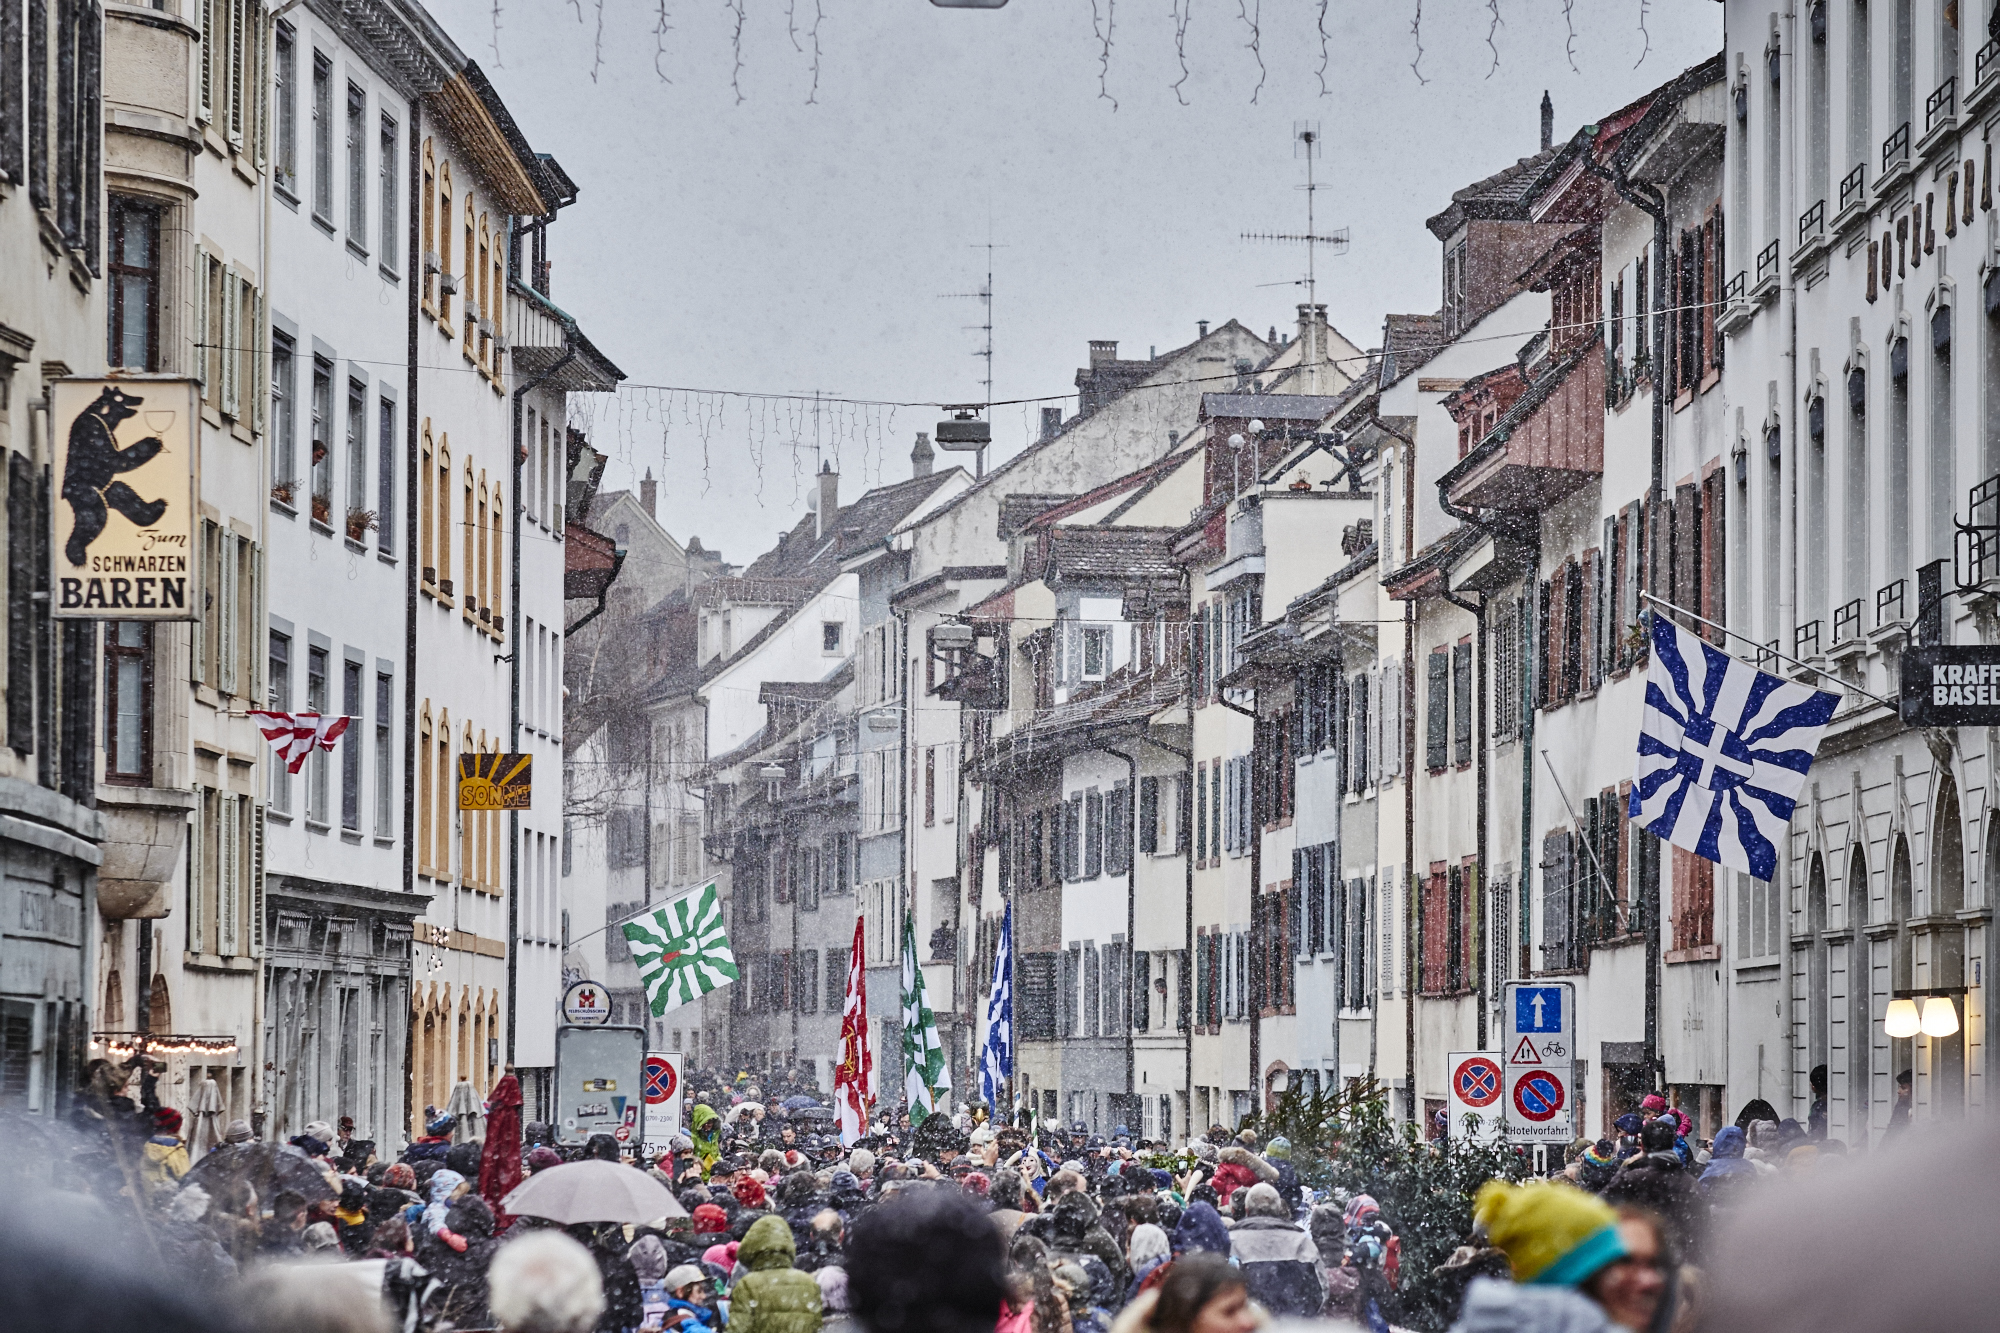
[790, 241]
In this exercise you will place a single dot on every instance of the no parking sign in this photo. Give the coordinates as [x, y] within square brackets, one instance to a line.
[660, 1088]
[1473, 1100]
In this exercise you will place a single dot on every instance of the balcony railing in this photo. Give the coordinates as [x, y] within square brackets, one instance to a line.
[1733, 290]
[1805, 641]
[1812, 223]
[1889, 603]
[1767, 262]
[1896, 148]
[1854, 186]
[1767, 656]
[1981, 532]
[1988, 59]
[1942, 105]
[1847, 622]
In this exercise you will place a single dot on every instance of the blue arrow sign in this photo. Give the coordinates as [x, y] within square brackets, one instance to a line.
[1538, 1009]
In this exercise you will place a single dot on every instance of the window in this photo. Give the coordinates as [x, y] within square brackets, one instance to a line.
[279, 683]
[1096, 651]
[350, 747]
[128, 702]
[322, 442]
[830, 637]
[357, 169]
[357, 515]
[317, 808]
[322, 95]
[445, 284]
[385, 758]
[385, 477]
[386, 188]
[284, 461]
[134, 287]
[284, 89]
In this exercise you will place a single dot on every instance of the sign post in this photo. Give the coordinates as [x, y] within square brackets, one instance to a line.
[662, 1091]
[1539, 1046]
[1476, 1086]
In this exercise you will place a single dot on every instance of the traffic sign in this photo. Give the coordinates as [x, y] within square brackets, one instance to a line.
[1538, 1095]
[1540, 1042]
[661, 1091]
[1476, 1087]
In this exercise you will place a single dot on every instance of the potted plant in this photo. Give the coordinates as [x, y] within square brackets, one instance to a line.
[360, 522]
[282, 492]
[322, 511]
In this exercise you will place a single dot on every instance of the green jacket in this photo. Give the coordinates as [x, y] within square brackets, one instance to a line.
[773, 1297]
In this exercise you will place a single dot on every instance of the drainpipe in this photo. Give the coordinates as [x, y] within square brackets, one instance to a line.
[1183, 834]
[514, 677]
[1648, 200]
[414, 266]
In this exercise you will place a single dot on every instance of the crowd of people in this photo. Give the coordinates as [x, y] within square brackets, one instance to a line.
[951, 1223]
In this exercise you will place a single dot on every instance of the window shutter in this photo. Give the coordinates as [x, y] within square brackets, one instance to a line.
[260, 367]
[227, 611]
[204, 813]
[231, 355]
[1436, 744]
[227, 883]
[257, 881]
[1149, 814]
[200, 313]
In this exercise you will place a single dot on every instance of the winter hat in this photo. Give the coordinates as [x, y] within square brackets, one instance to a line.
[237, 1131]
[832, 1281]
[683, 1275]
[1162, 1178]
[1554, 1234]
[710, 1218]
[1653, 1104]
[166, 1120]
[542, 1158]
[441, 1126]
[320, 1130]
[1263, 1200]
[861, 1162]
[1280, 1147]
[400, 1176]
[976, 1183]
[749, 1193]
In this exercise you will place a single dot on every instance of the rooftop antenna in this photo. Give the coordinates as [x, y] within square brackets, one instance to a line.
[1306, 144]
[985, 298]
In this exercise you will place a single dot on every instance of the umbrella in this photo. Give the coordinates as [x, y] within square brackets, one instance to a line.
[593, 1191]
[799, 1103]
[268, 1168]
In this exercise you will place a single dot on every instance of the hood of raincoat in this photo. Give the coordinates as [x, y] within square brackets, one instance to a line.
[648, 1258]
[768, 1244]
[1201, 1229]
[1493, 1306]
[443, 1183]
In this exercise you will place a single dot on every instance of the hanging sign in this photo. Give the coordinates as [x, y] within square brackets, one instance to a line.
[123, 513]
[586, 1004]
[495, 781]
[1951, 685]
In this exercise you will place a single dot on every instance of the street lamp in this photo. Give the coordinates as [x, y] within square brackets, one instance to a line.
[1900, 1019]
[1940, 1016]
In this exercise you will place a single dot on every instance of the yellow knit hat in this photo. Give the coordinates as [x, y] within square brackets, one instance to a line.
[1553, 1234]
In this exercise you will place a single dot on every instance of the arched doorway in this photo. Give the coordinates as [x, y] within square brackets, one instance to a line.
[1860, 1034]
[1947, 946]
[1902, 1050]
[1816, 1010]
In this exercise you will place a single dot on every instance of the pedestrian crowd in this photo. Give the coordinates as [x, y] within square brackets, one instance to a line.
[768, 1223]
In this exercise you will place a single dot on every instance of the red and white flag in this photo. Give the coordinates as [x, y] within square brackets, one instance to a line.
[293, 735]
[852, 1075]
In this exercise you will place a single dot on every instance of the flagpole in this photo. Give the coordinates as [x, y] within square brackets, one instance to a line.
[1763, 648]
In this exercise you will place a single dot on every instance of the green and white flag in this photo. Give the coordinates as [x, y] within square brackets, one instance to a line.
[681, 949]
[925, 1076]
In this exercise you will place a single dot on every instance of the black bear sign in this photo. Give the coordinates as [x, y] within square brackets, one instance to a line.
[124, 486]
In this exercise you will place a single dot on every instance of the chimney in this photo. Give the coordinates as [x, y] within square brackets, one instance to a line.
[1548, 122]
[649, 495]
[1202, 326]
[1102, 351]
[829, 499]
[922, 456]
[1051, 422]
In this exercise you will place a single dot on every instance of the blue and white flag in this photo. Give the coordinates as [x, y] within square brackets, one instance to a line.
[996, 1046]
[1723, 751]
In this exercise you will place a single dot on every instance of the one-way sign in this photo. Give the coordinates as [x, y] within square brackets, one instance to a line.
[1540, 1042]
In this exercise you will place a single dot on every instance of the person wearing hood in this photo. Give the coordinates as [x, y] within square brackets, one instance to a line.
[705, 1128]
[1148, 1252]
[1726, 1163]
[445, 1189]
[1072, 1228]
[1280, 1263]
[1201, 1229]
[772, 1296]
[1240, 1168]
[1577, 1268]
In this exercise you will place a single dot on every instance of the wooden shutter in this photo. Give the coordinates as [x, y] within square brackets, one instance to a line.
[1436, 742]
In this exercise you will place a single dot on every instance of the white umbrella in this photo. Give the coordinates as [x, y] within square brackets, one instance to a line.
[593, 1191]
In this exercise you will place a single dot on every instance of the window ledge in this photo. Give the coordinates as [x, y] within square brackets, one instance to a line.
[324, 224]
[282, 816]
[1700, 953]
[316, 826]
[358, 250]
[281, 508]
[386, 557]
[321, 528]
[389, 274]
[351, 836]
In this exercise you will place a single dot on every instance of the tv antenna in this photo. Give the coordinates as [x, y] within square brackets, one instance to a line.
[1306, 144]
[985, 327]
